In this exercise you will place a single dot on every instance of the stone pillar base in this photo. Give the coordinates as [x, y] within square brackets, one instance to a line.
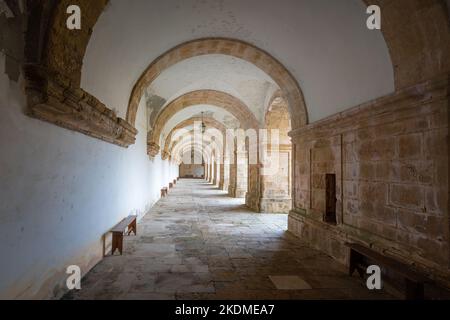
[252, 202]
[268, 205]
[231, 191]
[223, 185]
[236, 193]
[240, 193]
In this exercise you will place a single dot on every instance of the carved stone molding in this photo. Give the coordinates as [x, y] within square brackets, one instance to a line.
[165, 155]
[74, 109]
[152, 149]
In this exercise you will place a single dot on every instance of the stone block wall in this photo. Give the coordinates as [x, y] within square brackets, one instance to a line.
[276, 186]
[192, 170]
[252, 197]
[216, 170]
[390, 157]
[238, 175]
[224, 175]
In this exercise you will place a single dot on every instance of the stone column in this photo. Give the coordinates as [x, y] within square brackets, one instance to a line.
[232, 179]
[252, 197]
[238, 175]
[210, 177]
[276, 186]
[242, 174]
[224, 173]
[216, 178]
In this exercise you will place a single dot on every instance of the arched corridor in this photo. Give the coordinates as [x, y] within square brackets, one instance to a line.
[198, 243]
[264, 149]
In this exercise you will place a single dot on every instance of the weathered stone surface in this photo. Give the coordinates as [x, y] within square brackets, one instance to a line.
[394, 177]
[416, 32]
[211, 97]
[192, 171]
[238, 175]
[224, 172]
[152, 149]
[209, 122]
[397, 144]
[236, 48]
[270, 184]
[74, 109]
[53, 60]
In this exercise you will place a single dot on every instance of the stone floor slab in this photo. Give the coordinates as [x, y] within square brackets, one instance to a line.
[198, 243]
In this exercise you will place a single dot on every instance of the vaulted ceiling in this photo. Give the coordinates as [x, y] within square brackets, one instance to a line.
[222, 116]
[324, 44]
[215, 72]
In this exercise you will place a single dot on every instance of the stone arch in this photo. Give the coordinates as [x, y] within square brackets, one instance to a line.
[216, 98]
[52, 69]
[181, 149]
[180, 145]
[183, 141]
[276, 187]
[419, 49]
[417, 33]
[208, 121]
[235, 48]
[50, 43]
[275, 95]
[52, 46]
[277, 116]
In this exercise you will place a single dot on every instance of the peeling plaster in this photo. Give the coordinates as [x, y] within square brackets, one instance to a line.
[154, 104]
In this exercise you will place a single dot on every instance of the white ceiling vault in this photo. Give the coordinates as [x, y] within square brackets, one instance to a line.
[219, 114]
[324, 44]
[231, 75]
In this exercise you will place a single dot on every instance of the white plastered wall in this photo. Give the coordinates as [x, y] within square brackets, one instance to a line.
[60, 192]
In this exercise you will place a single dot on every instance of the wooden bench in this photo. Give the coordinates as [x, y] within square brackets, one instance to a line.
[414, 281]
[127, 224]
[174, 181]
[170, 185]
[164, 192]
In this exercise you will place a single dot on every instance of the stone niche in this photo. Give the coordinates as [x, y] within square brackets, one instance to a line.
[390, 157]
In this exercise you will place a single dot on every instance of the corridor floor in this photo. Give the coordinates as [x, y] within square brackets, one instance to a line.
[197, 243]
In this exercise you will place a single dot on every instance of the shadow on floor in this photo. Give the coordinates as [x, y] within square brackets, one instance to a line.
[201, 244]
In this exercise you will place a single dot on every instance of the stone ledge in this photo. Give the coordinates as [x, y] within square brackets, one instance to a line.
[424, 93]
[73, 109]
